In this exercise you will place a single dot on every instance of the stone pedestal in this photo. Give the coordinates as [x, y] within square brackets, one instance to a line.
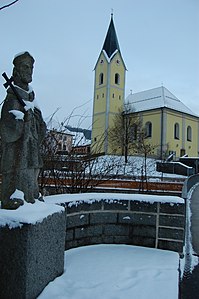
[31, 256]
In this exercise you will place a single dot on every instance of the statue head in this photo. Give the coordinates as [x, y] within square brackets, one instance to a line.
[23, 68]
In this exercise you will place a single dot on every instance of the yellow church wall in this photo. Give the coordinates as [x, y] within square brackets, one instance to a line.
[155, 118]
[101, 67]
[100, 100]
[117, 68]
[98, 132]
[116, 102]
[169, 142]
[174, 144]
[190, 147]
[116, 90]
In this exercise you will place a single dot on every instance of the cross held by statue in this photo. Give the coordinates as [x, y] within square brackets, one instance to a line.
[9, 83]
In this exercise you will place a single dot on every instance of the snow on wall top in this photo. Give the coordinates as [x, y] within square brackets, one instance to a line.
[93, 197]
[157, 98]
[28, 214]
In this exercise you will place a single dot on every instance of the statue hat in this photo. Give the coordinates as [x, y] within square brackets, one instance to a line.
[24, 56]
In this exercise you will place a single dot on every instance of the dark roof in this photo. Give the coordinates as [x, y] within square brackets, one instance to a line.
[111, 43]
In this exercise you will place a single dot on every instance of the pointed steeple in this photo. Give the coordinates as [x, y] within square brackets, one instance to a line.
[111, 42]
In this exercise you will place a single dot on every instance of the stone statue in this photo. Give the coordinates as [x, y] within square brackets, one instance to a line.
[22, 130]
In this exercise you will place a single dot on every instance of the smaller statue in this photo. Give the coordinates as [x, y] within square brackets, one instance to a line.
[22, 130]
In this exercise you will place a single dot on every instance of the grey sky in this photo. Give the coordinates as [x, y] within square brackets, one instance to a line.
[159, 41]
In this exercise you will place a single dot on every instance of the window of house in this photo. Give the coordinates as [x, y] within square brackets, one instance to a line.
[176, 131]
[113, 95]
[101, 78]
[189, 133]
[148, 129]
[117, 79]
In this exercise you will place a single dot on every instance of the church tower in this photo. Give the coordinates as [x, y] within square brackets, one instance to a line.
[109, 90]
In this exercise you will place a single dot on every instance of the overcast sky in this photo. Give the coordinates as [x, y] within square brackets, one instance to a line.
[159, 41]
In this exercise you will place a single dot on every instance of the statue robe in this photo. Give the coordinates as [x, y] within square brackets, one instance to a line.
[21, 135]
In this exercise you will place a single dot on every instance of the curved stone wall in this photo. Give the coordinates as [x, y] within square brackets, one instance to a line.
[121, 221]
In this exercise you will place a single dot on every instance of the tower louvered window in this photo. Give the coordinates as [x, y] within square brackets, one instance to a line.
[117, 79]
[101, 78]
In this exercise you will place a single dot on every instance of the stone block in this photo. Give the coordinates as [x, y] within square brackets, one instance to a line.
[84, 242]
[70, 244]
[96, 240]
[69, 234]
[142, 241]
[171, 245]
[121, 239]
[170, 208]
[114, 230]
[137, 218]
[31, 257]
[143, 231]
[173, 221]
[73, 221]
[108, 240]
[89, 231]
[103, 218]
[143, 206]
[84, 207]
[126, 218]
[171, 233]
[116, 205]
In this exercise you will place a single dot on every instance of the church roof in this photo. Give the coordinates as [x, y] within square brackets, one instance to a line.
[157, 98]
[111, 42]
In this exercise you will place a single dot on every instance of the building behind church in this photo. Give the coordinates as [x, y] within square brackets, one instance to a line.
[170, 126]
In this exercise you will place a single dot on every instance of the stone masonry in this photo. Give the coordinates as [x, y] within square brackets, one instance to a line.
[156, 225]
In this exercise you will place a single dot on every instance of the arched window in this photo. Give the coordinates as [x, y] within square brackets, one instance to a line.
[176, 131]
[148, 129]
[101, 78]
[189, 133]
[117, 79]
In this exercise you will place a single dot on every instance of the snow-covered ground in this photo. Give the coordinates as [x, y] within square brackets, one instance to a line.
[134, 167]
[116, 272]
[105, 271]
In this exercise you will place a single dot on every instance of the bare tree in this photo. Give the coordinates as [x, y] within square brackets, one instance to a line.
[71, 171]
[8, 5]
[123, 135]
[145, 149]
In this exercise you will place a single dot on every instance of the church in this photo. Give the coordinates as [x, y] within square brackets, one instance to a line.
[170, 126]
